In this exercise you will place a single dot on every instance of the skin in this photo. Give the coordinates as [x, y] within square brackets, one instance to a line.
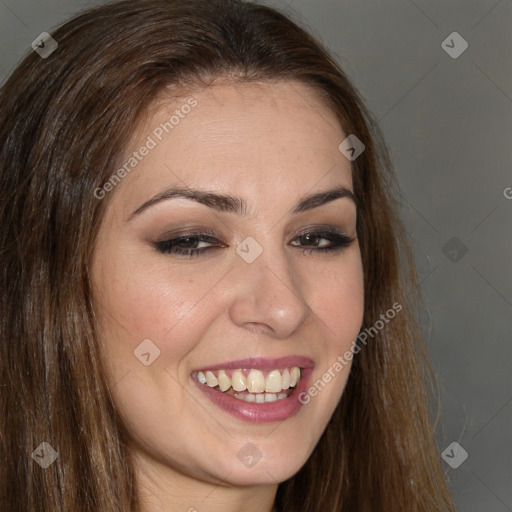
[270, 144]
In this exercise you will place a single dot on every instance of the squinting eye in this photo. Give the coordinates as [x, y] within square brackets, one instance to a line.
[188, 244]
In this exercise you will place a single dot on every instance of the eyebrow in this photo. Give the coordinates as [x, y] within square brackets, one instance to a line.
[237, 205]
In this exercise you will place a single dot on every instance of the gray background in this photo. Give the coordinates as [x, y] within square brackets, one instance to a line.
[448, 124]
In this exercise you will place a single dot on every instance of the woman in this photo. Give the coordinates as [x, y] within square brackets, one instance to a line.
[206, 291]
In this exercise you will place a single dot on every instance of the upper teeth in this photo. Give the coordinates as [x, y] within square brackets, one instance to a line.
[252, 380]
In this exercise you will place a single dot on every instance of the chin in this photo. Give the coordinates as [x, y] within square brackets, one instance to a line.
[262, 474]
[252, 467]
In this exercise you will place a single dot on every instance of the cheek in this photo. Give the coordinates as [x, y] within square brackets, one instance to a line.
[338, 303]
[169, 307]
[338, 298]
[150, 310]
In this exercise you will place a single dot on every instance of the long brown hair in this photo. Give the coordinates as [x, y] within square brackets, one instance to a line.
[64, 123]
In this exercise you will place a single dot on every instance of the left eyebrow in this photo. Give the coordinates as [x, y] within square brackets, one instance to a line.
[237, 205]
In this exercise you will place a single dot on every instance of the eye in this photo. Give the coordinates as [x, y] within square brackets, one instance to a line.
[188, 244]
[336, 241]
[195, 244]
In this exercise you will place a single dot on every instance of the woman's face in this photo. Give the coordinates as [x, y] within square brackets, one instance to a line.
[261, 298]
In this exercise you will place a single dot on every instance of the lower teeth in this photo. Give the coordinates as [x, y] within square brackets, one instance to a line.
[260, 397]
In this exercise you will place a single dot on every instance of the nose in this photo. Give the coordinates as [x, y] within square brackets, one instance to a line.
[266, 294]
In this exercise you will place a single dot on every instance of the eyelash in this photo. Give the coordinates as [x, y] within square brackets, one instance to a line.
[170, 246]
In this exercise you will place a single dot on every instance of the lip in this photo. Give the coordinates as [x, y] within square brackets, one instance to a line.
[262, 363]
[267, 412]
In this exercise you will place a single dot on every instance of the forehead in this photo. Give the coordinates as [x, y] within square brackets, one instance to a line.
[255, 139]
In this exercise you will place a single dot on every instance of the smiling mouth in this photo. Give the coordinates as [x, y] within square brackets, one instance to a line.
[252, 385]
